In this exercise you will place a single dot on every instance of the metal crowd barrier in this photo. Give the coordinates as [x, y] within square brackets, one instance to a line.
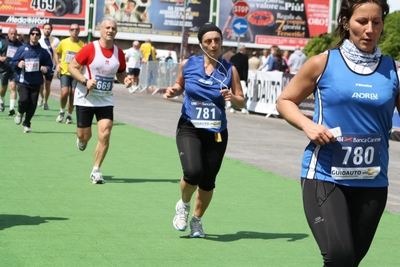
[155, 77]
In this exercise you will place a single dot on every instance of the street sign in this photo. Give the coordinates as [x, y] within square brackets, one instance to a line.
[240, 26]
[241, 9]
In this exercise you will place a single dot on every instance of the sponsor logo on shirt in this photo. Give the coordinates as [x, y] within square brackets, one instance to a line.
[209, 82]
[365, 96]
[363, 85]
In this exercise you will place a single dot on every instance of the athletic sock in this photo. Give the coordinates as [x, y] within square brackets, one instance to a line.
[1, 99]
[62, 110]
[69, 114]
[96, 169]
[186, 204]
[12, 103]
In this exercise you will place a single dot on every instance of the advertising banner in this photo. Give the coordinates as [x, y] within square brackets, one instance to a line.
[275, 22]
[159, 20]
[263, 90]
[25, 14]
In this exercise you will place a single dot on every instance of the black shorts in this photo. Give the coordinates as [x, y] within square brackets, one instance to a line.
[67, 81]
[8, 76]
[85, 115]
[201, 156]
[49, 76]
[134, 71]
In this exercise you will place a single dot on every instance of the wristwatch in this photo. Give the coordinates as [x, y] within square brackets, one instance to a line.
[85, 82]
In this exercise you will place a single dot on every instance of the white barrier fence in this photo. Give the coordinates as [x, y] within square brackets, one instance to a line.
[155, 76]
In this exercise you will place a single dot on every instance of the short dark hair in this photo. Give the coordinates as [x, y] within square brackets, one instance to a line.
[47, 23]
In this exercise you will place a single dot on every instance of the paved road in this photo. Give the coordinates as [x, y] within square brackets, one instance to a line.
[270, 144]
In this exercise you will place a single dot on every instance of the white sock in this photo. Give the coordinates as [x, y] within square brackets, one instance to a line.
[1, 99]
[12, 103]
[69, 114]
[62, 110]
[96, 169]
[186, 204]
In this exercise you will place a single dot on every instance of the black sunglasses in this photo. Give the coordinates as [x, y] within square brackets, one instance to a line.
[35, 33]
[74, 29]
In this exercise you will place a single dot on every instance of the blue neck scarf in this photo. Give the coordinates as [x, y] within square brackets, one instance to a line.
[357, 56]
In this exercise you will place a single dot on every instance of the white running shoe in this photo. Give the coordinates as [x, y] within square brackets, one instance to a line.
[40, 102]
[180, 221]
[196, 227]
[60, 117]
[245, 111]
[232, 110]
[18, 119]
[27, 129]
[68, 120]
[133, 89]
[96, 178]
[82, 146]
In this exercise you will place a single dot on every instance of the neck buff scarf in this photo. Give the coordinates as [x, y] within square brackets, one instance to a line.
[357, 56]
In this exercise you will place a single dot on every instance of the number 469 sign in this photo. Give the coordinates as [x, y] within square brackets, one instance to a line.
[58, 7]
[44, 5]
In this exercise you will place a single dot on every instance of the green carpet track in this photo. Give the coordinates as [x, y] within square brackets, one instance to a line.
[52, 215]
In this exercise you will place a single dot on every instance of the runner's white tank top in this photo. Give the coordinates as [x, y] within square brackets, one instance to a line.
[103, 70]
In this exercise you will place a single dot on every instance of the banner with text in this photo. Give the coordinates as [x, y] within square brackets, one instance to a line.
[25, 14]
[276, 22]
[263, 90]
[161, 20]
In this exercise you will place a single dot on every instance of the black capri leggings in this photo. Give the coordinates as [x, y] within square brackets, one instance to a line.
[201, 156]
[342, 219]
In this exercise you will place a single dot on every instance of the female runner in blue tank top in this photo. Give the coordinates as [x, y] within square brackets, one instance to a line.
[208, 81]
[344, 179]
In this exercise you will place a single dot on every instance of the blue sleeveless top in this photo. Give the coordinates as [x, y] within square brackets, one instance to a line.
[205, 89]
[362, 106]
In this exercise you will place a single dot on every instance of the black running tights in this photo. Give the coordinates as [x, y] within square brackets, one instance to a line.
[342, 219]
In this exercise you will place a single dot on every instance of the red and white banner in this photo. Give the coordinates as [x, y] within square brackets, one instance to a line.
[25, 14]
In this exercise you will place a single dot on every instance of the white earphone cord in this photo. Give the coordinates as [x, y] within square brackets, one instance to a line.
[218, 64]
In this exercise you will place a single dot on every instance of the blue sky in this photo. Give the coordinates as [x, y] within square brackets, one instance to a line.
[394, 5]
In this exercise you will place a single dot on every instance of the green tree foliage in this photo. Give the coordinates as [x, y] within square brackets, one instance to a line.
[389, 43]
[390, 40]
[319, 44]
